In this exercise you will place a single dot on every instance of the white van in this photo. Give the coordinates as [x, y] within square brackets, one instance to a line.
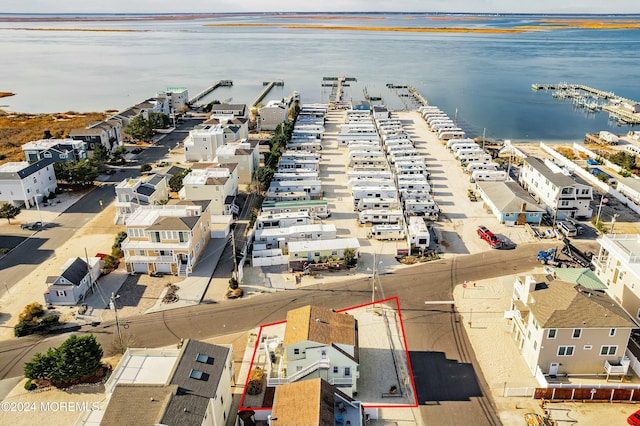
[472, 167]
[485, 175]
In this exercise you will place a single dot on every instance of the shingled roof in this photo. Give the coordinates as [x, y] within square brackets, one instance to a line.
[304, 403]
[319, 325]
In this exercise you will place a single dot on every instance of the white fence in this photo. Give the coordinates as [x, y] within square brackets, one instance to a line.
[518, 392]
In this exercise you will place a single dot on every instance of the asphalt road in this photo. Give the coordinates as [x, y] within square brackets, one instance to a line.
[450, 386]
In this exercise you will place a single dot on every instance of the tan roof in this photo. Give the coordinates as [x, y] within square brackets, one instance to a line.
[304, 403]
[319, 325]
[216, 181]
[558, 304]
[170, 223]
[136, 404]
[196, 166]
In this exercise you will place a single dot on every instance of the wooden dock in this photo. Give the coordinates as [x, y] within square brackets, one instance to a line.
[417, 96]
[205, 92]
[268, 85]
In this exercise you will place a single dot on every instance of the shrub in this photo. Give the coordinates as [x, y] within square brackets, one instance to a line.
[117, 252]
[52, 195]
[119, 239]
[28, 385]
[145, 168]
[31, 313]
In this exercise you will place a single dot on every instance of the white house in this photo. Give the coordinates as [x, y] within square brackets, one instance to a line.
[177, 98]
[281, 237]
[630, 187]
[24, 183]
[190, 385]
[273, 114]
[561, 194]
[617, 265]
[217, 183]
[313, 251]
[132, 193]
[77, 279]
[245, 154]
[567, 329]
[226, 111]
[234, 128]
[202, 143]
[318, 343]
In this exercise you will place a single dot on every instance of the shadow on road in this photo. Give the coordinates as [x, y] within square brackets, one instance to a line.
[439, 379]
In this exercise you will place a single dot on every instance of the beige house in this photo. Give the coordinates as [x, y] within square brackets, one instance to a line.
[245, 155]
[203, 142]
[567, 329]
[214, 182]
[616, 264]
[167, 238]
[108, 133]
[273, 114]
[314, 402]
[318, 343]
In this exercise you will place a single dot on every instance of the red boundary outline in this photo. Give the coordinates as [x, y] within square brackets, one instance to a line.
[404, 341]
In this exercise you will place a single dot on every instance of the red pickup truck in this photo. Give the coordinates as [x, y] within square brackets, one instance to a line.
[489, 237]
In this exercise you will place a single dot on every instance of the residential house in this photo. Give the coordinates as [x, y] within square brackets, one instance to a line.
[617, 264]
[272, 115]
[177, 98]
[226, 111]
[240, 127]
[630, 187]
[318, 343]
[510, 203]
[217, 183]
[77, 279]
[245, 155]
[167, 238]
[314, 402]
[108, 133]
[567, 329]
[24, 183]
[316, 251]
[59, 150]
[202, 143]
[561, 195]
[132, 193]
[159, 105]
[186, 386]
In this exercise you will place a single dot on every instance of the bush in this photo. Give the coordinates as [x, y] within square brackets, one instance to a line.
[45, 199]
[52, 195]
[51, 320]
[117, 252]
[119, 239]
[31, 313]
[145, 168]
[28, 385]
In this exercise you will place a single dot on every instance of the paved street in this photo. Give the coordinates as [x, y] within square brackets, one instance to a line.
[449, 383]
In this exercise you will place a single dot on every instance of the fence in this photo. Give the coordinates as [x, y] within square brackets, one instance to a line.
[588, 393]
[518, 392]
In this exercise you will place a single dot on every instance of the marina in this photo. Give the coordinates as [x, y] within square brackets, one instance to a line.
[268, 85]
[624, 111]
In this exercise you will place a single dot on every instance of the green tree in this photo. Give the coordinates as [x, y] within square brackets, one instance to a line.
[350, 258]
[145, 168]
[175, 182]
[76, 357]
[119, 153]
[263, 176]
[623, 159]
[158, 120]
[46, 134]
[139, 128]
[100, 153]
[9, 211]
[82, 172]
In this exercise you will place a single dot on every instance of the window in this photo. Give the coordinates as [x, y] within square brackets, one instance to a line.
[577, 332]
[551, 334]
[608, 350]
[61, 293]
[535, 345]
[205, 359]
[587, 347]
[46, 154]
[565, 350]
[296, 351]
[347, 371]
[335, 370]
[612, 332]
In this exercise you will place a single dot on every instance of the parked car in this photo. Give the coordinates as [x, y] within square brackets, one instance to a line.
[489, 237]
[32, 226]
[109, 172]
[634, 419]
[567, 229]
[577, 224]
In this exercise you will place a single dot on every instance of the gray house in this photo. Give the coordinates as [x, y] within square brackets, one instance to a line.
[72, 285]
[59, 150]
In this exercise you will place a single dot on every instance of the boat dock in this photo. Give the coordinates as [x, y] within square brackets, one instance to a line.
[615, 106]
[337, 83]
[417, 96]
[205, 92]
[268, 85]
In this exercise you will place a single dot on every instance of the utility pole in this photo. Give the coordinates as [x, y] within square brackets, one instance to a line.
[373, 280]
[115, 310]
[613, 221]
[602, 200]
[235, 261]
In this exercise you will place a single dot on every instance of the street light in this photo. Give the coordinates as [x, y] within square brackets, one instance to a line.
[113, 306]
[613, 221]
[602, 201]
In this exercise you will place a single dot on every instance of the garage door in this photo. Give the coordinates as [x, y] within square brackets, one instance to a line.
[163, 267]
[140, 268]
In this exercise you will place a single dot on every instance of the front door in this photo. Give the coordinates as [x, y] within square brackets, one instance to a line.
[553, 369]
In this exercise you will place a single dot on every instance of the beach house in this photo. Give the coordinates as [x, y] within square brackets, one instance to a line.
[272, 114]
[132, 193]
[217, 183]
[108, 133]
[26, 184]
[78, 277]
[190, 385]
[177, 98]
[566, 329]
[561, 194]
[318, 343]
[59, 150]
[203, 142]
[167, 238]
[510, 203]
[229, 111]
[245, 155]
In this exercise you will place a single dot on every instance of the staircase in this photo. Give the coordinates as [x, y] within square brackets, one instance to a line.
[182, 270]
[322, 364]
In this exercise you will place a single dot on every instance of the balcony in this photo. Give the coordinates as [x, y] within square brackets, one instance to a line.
[620, 367]
[150, 259]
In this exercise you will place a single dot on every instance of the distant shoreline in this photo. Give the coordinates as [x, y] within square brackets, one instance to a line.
[6, 94]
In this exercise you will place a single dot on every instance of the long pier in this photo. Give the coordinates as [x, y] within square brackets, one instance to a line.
[417, 96]
[268, 85]
[205, 92]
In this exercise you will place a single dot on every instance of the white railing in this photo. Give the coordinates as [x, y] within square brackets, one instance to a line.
[341, 381]
[320, 364]
[150, 259]
[518, 392]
